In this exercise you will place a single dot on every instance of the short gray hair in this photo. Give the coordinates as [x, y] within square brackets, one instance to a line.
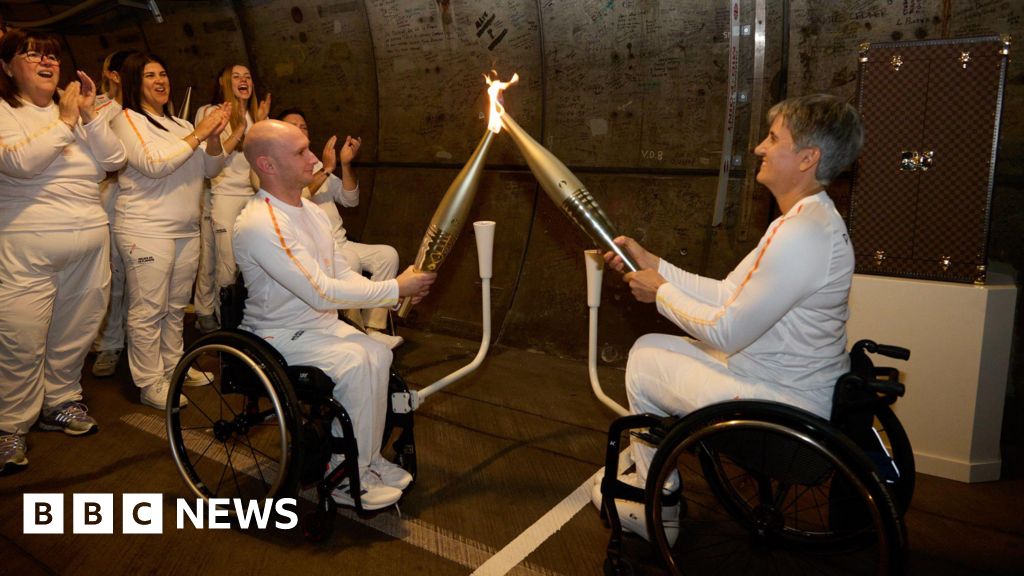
[824, 122]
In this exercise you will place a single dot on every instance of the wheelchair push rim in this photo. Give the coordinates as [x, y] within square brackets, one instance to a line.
[763, 517]
[234, 438]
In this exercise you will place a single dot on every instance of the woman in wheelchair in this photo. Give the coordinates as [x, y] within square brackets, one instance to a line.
[774, 329]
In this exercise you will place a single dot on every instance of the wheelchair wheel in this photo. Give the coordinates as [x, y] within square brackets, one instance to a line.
[238, 436]
[769, 489]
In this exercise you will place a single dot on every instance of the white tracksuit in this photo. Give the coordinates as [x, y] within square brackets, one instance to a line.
[206, 298]
[111, 336]
[229, 190]
[296, 281]
[380, 260]
[156, 224]
[54, 255]
[774, 329]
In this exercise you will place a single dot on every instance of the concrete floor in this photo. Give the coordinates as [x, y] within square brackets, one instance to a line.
[497, 452]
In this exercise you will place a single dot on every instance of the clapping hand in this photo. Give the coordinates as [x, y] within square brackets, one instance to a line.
[86, 97]
[350, 149]
[330, 156]
[263, 109]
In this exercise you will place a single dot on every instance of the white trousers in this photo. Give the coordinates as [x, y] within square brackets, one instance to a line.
[359, 368]
[159, 273]
[53, 293]
[381, 261]
[225, 211]
[206, 296]
[111, 336]
[671, 375]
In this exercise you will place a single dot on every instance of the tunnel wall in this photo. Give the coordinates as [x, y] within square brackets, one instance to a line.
[631, 95]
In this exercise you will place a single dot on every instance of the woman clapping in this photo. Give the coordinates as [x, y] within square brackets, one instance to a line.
[54, 244]
[156, 222]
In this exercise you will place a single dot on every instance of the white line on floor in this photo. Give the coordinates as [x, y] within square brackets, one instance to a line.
[437, 541]
[517, 550]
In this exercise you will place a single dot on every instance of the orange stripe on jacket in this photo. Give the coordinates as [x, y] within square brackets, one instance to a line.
[145, 149]
[31, 137]
[302, 269]
[721, 311]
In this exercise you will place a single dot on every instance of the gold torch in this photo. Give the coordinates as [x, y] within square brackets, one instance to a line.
[451, 213]
[566, 191]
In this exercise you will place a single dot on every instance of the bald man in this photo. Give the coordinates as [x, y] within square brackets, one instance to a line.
[297, 279]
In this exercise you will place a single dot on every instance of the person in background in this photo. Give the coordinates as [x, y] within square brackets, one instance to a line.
[229, 190]
[54, 242]
[110, 342]
[296, 279]
[380, 260]
[775, 327]
[156, 221]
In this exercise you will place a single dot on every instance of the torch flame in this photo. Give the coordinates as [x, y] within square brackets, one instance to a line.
[494, 92]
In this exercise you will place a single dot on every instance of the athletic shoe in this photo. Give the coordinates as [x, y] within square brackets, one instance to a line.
[13, 453]
[390, 474]
[155, 396]
[631, 514]
[391, 342]
[196, 378]
[70, 417]
[207, 323]
[374, 496]
[106, 363]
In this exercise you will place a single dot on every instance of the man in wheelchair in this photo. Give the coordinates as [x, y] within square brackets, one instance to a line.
[296, 281]
[775, 327]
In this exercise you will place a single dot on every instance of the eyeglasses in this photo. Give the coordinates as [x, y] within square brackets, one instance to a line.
[36, 57]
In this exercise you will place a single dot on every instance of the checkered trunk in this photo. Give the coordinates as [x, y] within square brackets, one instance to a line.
[927, 224]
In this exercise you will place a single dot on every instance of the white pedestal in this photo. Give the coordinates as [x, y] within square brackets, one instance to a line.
[959, 336]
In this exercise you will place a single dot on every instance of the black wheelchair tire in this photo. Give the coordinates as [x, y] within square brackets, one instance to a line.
[269, 387]
[885, 536]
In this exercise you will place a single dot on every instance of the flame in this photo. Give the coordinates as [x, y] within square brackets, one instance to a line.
[494, 92]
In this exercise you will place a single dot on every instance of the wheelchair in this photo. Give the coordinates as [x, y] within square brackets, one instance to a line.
[260, 429]
[768, 488]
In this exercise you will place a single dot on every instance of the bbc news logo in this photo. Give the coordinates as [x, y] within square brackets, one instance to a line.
[144, 513]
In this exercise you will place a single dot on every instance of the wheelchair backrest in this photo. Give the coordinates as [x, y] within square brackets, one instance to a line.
[232, 304]
[859, 392]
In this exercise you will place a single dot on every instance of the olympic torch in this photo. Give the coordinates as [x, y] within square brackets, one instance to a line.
[566, 191]
[185, 105]
[451, 213]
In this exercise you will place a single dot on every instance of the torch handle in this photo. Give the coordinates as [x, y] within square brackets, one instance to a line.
[405, 304]
[628, 260]
[405, 307]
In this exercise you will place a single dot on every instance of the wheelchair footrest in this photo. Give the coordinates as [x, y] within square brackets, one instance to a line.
[619, 490]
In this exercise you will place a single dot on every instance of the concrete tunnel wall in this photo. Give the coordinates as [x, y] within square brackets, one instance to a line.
[630, 94]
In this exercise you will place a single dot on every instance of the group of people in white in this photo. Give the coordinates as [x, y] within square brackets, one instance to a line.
[113, 209]
[70, 236]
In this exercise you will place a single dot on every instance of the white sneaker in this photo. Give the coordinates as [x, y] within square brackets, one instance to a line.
[631, 514]
[106, 363]
[374, 496]
[155, 395]
[390, 473]
[196, 378]
[391, 342]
